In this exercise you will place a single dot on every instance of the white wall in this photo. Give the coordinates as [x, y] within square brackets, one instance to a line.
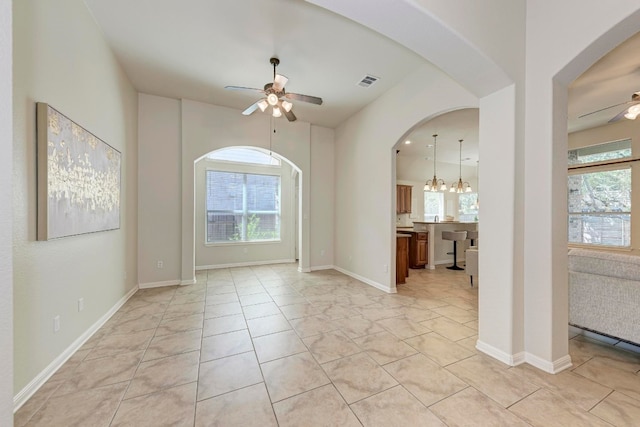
[61, 58]
[237, 253]
[366, 172]
[322, 197]
[595, 29]
[193, 130]
[486, 59]
[159, 177]
[6, 213]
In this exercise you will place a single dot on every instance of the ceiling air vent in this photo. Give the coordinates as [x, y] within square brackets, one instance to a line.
[368, 80]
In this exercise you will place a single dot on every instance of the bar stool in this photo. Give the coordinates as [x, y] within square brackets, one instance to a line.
[473, 236]
[456, 236]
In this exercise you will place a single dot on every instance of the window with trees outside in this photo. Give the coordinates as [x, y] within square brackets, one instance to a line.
[242, 207]
[433, 206]
[468, 207]
[599, 196]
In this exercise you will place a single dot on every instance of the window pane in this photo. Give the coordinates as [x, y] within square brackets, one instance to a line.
[606, 229]
[607, 191]
[468, 207]
[263, 226]
[600, 152]
[244, 155]
[224, 191]
[433, 205]
[242, 207]
[223, 227]
[263, 192]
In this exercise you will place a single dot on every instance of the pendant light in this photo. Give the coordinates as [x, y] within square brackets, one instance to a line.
[435, 184]
[460, 187]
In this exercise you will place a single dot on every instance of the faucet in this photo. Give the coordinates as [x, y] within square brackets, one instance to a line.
[436, 219]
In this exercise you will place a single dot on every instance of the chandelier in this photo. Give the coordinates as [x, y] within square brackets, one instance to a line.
[460, 187]
[435, 184]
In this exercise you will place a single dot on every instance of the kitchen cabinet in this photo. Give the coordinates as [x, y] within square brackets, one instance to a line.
[403, 199]
[402, 257]
[418, 249]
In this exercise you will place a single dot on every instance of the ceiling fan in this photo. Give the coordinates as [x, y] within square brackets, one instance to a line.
[274, 94]
[631, 112]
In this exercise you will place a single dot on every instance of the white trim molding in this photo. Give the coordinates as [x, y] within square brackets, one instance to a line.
[365, 280]
[524, 357]
[509, 359]
[323, 267]
[159, 284]
[554, 367]
[244, 264]
[35, 384]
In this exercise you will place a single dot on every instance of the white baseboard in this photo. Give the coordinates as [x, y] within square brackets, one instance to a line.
[29, 390]
[304, 270]
[323, 267]
[244, 264]
[365, 280]
[188, 282]
[158, 284]
[506, 358]
[554, 367]
[524, 357]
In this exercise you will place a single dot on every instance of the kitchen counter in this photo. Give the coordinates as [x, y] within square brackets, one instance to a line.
[437, 252]
[446, 222]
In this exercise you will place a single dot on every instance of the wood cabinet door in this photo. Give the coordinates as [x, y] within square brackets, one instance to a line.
[408, 199]
[422, 252]
[403, 199]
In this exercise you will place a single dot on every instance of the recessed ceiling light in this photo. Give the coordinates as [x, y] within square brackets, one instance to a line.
[407, 142]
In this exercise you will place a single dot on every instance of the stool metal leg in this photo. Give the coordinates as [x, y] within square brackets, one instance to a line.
[455, 257]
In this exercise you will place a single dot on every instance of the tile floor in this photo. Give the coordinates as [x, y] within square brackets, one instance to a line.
[268, 346]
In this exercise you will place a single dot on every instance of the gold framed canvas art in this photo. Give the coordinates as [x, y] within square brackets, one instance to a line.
[78, 178]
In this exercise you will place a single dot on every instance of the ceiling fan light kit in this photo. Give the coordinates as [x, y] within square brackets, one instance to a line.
[633, 112]
[274, 94]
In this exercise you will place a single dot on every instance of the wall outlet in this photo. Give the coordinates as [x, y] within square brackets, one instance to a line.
[56, 324]
[80, 304]
[160, 264]
[385, 268]
[321, 252]
[245, 250]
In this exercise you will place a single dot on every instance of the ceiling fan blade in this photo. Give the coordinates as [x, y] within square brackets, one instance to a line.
[253, 107]
[289, 115]
[606, 108]
[619, 116]
[244, 88]
[304, 98]
[279, 81]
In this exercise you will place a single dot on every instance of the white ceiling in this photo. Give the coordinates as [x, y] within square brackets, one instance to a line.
[450, 127]
[193, 48]
[612, 80]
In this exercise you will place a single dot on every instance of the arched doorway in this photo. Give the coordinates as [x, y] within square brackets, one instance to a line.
[246, 208]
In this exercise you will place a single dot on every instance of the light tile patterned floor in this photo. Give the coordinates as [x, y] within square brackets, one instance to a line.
[268, 346]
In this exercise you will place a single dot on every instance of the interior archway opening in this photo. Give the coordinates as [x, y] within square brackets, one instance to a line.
[247, 208]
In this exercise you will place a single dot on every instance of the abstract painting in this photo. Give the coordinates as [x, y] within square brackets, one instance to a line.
[78, 178]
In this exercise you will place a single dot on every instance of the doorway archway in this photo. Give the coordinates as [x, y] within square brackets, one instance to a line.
[252, 220]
